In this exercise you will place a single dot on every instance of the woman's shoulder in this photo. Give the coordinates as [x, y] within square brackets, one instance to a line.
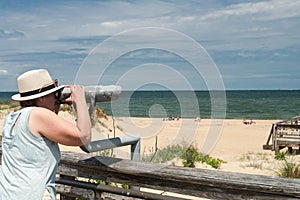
[42, 110]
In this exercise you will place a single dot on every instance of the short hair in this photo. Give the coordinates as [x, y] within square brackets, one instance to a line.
[28, 103]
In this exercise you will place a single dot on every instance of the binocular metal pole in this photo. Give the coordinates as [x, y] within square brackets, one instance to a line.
[100, 145]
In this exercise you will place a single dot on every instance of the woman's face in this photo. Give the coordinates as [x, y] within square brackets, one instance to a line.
[50, 101]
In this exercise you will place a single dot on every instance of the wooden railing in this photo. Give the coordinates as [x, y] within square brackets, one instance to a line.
[77, 169]
[212, 184]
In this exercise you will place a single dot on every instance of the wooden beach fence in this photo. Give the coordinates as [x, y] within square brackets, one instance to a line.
[76, 169]
[284, 134]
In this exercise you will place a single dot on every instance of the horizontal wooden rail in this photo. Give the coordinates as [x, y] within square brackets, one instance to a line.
[211, 184]
[95, 191]
[191, 181]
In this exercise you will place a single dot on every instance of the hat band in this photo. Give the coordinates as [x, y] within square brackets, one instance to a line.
[33, 92]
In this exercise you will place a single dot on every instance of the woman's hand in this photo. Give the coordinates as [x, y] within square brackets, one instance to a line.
[77, 94]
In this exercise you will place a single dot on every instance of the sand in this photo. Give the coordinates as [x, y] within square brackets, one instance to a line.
[239, 145]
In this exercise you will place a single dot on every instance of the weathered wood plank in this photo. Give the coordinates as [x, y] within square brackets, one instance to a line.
[289, 140]
[198, 182]
[295, 126]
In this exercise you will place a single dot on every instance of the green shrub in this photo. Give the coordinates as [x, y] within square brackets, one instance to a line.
[280, 156]
[214, 162]
[191, 156]
[289, 170]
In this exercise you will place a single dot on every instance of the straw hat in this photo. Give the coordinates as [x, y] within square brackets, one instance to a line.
[34, 84]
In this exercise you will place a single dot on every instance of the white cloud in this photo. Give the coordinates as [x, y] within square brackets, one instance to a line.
[266, 10]
[111, 24]
[277, 54]
[11, 34]
[186, 19]
[246, 54]
[3, 72]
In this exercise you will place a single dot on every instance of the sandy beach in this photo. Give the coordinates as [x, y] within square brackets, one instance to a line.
[239, 145]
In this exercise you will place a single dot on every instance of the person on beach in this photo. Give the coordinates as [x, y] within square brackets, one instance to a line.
[30, 136]
[248, 122]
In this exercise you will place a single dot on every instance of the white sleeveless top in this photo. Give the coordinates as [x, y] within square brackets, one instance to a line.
[29, 162]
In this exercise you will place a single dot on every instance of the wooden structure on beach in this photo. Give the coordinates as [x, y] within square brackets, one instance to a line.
[76, 170]
[284, 134]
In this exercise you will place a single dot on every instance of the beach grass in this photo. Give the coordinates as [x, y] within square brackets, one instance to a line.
[166, 154]
[8, 105]
[289, 169]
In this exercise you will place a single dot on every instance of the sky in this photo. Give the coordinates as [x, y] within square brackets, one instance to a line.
[199, 45]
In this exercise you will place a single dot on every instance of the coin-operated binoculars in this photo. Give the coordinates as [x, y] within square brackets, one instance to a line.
[102, 93]
[94, 94]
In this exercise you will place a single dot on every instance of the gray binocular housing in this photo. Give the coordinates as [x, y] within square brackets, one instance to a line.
[98, 93]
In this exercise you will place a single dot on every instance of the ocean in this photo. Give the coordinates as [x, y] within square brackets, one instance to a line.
[248, 104]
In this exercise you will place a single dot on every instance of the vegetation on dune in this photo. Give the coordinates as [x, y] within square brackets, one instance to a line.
[166, 154]
[254, 160]
[8, 105]
[189, 155]
[289, 170]
[280, 156]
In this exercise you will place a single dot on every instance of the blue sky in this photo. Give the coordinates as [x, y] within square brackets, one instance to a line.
[251, 44]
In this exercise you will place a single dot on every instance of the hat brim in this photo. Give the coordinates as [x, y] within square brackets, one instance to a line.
[17, 97]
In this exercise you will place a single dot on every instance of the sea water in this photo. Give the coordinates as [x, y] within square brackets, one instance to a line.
[254, 104]
[249, 104]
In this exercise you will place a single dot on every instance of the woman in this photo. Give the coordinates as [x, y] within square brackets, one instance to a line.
[30, 136]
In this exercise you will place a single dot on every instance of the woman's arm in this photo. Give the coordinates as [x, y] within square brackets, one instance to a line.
[46, 123]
